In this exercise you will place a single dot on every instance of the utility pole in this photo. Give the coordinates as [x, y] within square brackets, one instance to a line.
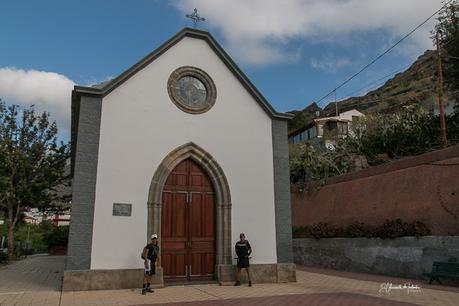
[336, 104]
[441, 101]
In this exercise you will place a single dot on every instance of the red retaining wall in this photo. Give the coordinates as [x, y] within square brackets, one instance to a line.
[423, 188]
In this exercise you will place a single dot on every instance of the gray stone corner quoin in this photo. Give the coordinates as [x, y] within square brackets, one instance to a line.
[282, 191]
[84, 183]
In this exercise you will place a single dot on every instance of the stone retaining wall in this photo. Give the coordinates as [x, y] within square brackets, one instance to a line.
[403, 257]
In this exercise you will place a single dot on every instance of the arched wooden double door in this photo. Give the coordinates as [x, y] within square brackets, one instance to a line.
[188, 224]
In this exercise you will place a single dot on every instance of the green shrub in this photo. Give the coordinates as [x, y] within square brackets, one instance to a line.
[3, 257]
[393, 228]
[323, 230]
[420, 229]
[57, 237]
[360, 229]
[43, 236]
[300, 232]
[39, 246]
[315, 163]
[388, 230]
[399, 228]
[410, 132]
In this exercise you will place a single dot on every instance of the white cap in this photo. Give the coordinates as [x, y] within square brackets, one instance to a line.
[154, 236]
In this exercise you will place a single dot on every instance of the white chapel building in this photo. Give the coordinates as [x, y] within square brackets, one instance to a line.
[183, 145]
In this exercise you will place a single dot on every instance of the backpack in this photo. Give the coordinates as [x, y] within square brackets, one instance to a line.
[155, 254]
[143, 251]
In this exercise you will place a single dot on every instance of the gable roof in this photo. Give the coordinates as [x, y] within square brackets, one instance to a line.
[102, 89]
[105, 88]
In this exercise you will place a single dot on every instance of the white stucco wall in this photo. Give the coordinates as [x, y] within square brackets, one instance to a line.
[140, 126]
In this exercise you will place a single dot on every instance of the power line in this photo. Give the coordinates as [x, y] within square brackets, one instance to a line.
[386, 97]
[384, 77]
[371, 86]
[384, 53]
[375, 84]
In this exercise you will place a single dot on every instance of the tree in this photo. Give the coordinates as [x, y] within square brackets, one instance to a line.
[448, 27]
[376, 137]
[309, 163]
[32, 163]
[410, 132]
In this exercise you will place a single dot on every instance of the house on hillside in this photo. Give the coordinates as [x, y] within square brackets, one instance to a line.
[60, 218]
[325, 130]
[30, 220]
[35, 216]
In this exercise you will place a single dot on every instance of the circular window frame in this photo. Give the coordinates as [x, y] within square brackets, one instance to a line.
[201, 75]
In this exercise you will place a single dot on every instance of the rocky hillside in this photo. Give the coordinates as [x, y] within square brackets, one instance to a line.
[416, 85]
[304, 116]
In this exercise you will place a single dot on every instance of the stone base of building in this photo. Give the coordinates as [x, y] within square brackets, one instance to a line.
[81, 280]
[133, 278]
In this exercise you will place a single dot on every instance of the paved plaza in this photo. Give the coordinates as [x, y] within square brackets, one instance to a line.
[37, 281]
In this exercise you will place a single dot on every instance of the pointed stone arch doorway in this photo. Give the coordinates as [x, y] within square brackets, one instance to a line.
[221, 198]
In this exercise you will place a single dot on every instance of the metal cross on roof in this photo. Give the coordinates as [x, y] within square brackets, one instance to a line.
[195, 17]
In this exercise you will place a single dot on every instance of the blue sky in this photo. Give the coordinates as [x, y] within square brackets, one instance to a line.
[294, 51]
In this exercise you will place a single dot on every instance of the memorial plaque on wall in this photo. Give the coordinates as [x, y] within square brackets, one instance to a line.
[122, 209]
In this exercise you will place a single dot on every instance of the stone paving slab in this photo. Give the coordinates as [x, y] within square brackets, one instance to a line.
[36, 281]
[334, 284]
[35, 273]
[424, 283]
[316, 299]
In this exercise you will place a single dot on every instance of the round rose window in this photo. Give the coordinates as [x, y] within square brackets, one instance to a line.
[192, 90]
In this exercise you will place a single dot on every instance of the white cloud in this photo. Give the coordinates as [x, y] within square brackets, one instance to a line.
[258, 31]
[48, 91]
[91, 81]
[329, 63]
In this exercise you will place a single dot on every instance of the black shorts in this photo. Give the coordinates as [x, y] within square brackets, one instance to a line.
[151, 269]
[151, 272]
[243, 263]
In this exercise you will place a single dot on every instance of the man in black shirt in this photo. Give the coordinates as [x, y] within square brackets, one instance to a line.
[243, 251]
[150, 254]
